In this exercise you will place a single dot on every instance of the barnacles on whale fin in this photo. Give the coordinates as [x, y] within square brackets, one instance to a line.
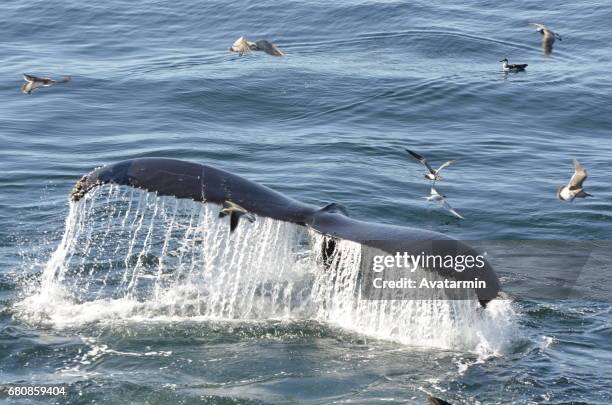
[81, 188]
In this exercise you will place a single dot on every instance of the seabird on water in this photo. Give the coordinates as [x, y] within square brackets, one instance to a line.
[243, 45]
[437, 401]
[574, 189]
[548, 37]
[433, 174]
[436, 196]
[33, 82]
[512, 68]
[235, 211]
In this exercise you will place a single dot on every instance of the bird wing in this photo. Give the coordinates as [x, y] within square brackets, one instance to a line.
[450, 162]
[241, 45]
[268, 47]
[422, 160]
[41, 81]
[579, 176]
[540, 26]
[239, 41]
[234, 218]
[446, 205]
[547, 42]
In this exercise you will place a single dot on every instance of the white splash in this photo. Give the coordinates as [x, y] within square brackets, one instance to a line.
[131, 255]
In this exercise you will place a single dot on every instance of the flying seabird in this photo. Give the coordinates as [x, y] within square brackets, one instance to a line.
[512, 68]
[548, 37]
[435, 196]
[235, 211]
[33, 82]
[242, 46]
[433, 174]
[574, 189]
[437, 401]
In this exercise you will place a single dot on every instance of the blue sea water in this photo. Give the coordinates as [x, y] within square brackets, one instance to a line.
[361, 81]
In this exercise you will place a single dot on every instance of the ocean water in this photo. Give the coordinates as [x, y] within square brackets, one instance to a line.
[83, 301]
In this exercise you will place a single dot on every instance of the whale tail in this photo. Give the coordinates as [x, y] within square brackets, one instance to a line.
[203, 183]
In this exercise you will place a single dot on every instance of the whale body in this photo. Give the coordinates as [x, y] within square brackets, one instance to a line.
[204, 183]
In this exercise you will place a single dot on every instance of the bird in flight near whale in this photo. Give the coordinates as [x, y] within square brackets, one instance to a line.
[243, 45]
[33, 82]
[574, 188]
[235, 212]
[548, 37]
[436, 196]
[433, 174]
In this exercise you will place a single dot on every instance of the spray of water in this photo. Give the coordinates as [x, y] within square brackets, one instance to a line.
[132, 255]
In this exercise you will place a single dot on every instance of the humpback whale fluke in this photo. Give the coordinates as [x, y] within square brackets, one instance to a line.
[33, 82]
[437, 401]
[235, 211]
[181, 179]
